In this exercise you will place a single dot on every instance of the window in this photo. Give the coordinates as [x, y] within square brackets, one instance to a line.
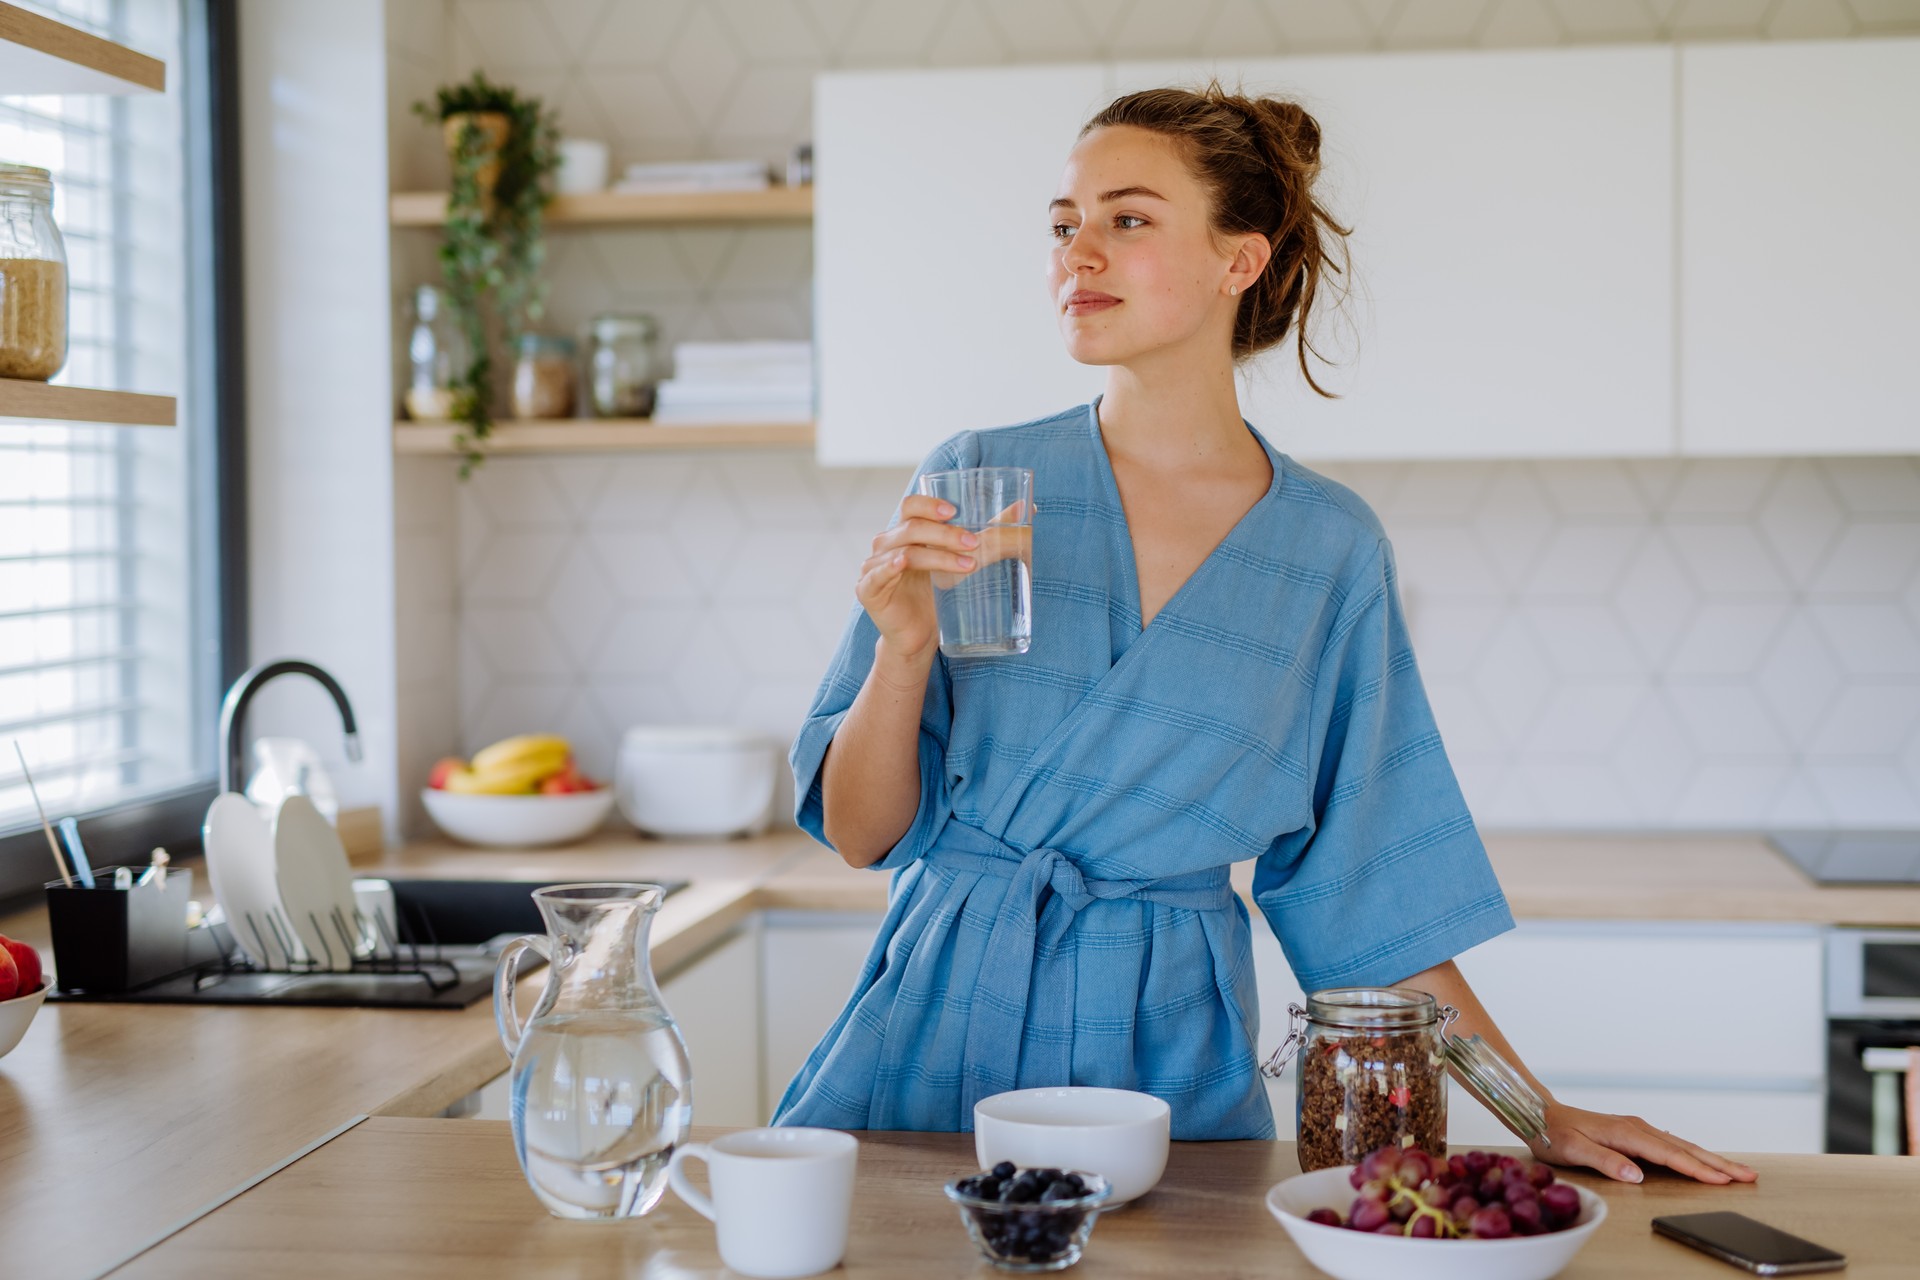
[110, 611]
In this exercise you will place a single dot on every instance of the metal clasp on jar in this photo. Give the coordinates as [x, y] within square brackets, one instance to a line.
[1276, 1064]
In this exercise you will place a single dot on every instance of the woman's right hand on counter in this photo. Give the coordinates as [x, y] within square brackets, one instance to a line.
[896, 586]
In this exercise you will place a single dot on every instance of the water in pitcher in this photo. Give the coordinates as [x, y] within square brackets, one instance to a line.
[600, 1101]
[989, 611]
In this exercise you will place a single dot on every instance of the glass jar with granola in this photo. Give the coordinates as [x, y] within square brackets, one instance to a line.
[33, 276]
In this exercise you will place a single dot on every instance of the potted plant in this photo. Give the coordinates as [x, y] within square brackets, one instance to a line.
[503, 147]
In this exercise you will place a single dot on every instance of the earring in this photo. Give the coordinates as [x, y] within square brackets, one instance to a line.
[1232, 289]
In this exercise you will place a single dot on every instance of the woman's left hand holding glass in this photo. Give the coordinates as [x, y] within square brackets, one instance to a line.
[1611, 1143]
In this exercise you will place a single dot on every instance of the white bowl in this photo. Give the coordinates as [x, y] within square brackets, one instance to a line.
[1117, 1133]
[15, 1014]
[1355, 1255]
[690, 781]
[517, 821]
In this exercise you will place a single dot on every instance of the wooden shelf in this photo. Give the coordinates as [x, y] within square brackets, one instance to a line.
[39, 55]
[48, 403]
[609, 208]
[612, 435]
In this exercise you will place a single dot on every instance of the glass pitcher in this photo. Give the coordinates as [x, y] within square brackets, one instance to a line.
[601, 1088]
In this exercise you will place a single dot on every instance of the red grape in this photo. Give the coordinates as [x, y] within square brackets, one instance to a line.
[1527, 1220]
[1368, 1215]
[1326, 1217]
[1491, 1223]
[1424, 1227]
[1539, 1175]
[1559, 1205]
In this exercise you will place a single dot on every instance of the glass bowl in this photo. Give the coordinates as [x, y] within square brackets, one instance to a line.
[1030, 1235]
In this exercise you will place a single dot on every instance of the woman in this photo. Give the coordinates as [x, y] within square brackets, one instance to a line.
[1220, 671]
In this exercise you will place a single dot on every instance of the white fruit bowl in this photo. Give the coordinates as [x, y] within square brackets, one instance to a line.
[1117, 1133]
[1355, 1255]
[518, 822]
[15, 1014]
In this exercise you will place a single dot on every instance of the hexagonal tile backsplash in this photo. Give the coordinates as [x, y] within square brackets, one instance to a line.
[1699, 644]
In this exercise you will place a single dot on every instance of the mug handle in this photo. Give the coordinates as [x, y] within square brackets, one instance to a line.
[505, 1016]
[682, 1186]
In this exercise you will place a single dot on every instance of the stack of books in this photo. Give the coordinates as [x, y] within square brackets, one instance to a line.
[683, 176]
[738, 382]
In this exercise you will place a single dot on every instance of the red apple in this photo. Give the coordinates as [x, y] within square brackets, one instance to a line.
[9, 975]
[27, 961]
[565, 782]
[437, 778]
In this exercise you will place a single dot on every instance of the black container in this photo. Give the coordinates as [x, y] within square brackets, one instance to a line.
[108, 939]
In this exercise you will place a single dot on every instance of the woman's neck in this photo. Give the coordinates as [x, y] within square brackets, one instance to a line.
[1175, 416]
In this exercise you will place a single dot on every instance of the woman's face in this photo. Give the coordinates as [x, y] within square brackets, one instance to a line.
[1135, 268]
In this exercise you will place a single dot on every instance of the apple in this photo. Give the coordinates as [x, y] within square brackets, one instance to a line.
[9, 975]
[437, 778]
[27, 961]
[568, 781]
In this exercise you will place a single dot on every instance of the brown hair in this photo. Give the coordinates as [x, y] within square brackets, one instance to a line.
[1258, 158]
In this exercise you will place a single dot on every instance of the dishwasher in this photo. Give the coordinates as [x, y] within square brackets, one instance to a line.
[1873, 1028]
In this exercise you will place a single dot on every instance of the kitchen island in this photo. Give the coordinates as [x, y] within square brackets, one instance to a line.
[397, 1198]
[121, 1124]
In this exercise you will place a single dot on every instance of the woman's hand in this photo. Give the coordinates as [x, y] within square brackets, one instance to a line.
[895, 588]
[1604, 1142]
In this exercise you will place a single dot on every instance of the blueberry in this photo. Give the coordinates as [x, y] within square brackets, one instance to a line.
[1004, 1170]
[986, 1188]
[1078, 1183]
[1057, 1191]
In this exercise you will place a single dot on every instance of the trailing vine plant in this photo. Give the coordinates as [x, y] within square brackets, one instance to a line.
[494, 241]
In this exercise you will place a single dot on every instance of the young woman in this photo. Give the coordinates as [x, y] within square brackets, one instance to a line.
[1220, 671]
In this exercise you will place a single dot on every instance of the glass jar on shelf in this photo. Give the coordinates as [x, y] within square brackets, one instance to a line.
[33, 276]
[623, 367]
[1373, 1067]
[543, 376]
[436, 357]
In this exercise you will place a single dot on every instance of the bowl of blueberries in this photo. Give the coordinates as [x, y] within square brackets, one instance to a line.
[1029, 1219]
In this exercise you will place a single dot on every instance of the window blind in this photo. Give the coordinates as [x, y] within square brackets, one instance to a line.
[99, 622]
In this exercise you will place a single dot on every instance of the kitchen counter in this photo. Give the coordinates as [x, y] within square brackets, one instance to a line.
[120, 1123]
[408, 1198]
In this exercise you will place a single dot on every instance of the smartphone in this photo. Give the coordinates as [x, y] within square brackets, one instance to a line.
[1755, 1246]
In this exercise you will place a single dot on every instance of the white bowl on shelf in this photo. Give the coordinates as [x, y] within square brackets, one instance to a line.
[1355, 1255]
[1117, 1133]
[682, 781]
[518, 822]
[15, 1014]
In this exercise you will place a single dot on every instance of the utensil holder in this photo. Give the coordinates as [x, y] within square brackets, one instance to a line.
[108, 939]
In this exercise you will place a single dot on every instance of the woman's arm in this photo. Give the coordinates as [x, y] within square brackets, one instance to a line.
[870, 777]
[1590, 1138]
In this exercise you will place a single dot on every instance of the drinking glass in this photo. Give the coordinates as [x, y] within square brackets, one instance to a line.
[988, 610]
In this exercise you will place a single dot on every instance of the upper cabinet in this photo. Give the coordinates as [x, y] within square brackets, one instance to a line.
[1512, 253]
[931, 312]
[1800, 248]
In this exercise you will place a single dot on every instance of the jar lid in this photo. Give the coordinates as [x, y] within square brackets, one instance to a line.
[25, 176]
[1494, 1083]
[618, 324]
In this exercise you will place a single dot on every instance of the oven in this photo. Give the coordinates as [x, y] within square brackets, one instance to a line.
[1873, 1019]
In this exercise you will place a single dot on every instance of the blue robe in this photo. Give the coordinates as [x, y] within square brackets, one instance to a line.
[1060, 910]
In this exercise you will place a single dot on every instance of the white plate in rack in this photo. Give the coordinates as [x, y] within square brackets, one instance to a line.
[316, 883]
[239, 848]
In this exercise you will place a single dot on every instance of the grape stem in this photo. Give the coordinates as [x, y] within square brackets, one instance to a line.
[1443, 1227]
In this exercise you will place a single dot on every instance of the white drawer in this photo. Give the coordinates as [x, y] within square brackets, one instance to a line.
[1728, 1120]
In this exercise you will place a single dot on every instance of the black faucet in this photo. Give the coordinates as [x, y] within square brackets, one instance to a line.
[233, 711]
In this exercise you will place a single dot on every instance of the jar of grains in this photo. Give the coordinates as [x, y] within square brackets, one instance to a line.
[33, 276]
[543, 377]
[1373, 1073]
[622, 368]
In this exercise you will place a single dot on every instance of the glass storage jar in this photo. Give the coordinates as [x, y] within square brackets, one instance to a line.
[543, 377]
[1373, 1073]
[436, 357]
[622, 366]
[33, 276]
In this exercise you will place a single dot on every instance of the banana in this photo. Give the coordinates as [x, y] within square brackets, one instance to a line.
[527, 749]
[504, 780]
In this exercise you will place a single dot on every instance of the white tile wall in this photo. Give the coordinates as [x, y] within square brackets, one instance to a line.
[1660, 643]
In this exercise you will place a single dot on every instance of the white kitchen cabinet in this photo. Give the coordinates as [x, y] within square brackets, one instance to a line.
[931, 312]
[809, 963]
[716, 1000]
[1728, 1120]
[1512, 251]
[1799, 255]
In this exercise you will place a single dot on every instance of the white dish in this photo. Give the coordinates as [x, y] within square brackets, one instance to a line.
[518, 821]
[239, 849]
[15, 1014]
[316, 884]
[1355, 1255]
[1117, 1133]
[692, 781]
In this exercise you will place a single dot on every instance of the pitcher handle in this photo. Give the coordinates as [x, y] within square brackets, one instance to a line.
[682, 1186]
[505, 1016]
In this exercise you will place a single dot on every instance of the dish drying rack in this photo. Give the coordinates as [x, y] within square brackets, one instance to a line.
[369, 947]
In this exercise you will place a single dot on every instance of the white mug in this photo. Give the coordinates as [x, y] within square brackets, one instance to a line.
[781, 1197]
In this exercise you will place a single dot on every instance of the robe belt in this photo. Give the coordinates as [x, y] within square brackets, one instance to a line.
[1024, 926]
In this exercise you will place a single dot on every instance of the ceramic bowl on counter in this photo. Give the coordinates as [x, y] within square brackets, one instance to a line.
[15, 1014]
[1117, 1133]
[693, 781]
[1357, 1255]
[518, 821]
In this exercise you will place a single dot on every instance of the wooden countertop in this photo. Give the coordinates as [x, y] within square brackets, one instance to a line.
[414, 1198]
[160, 1111]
